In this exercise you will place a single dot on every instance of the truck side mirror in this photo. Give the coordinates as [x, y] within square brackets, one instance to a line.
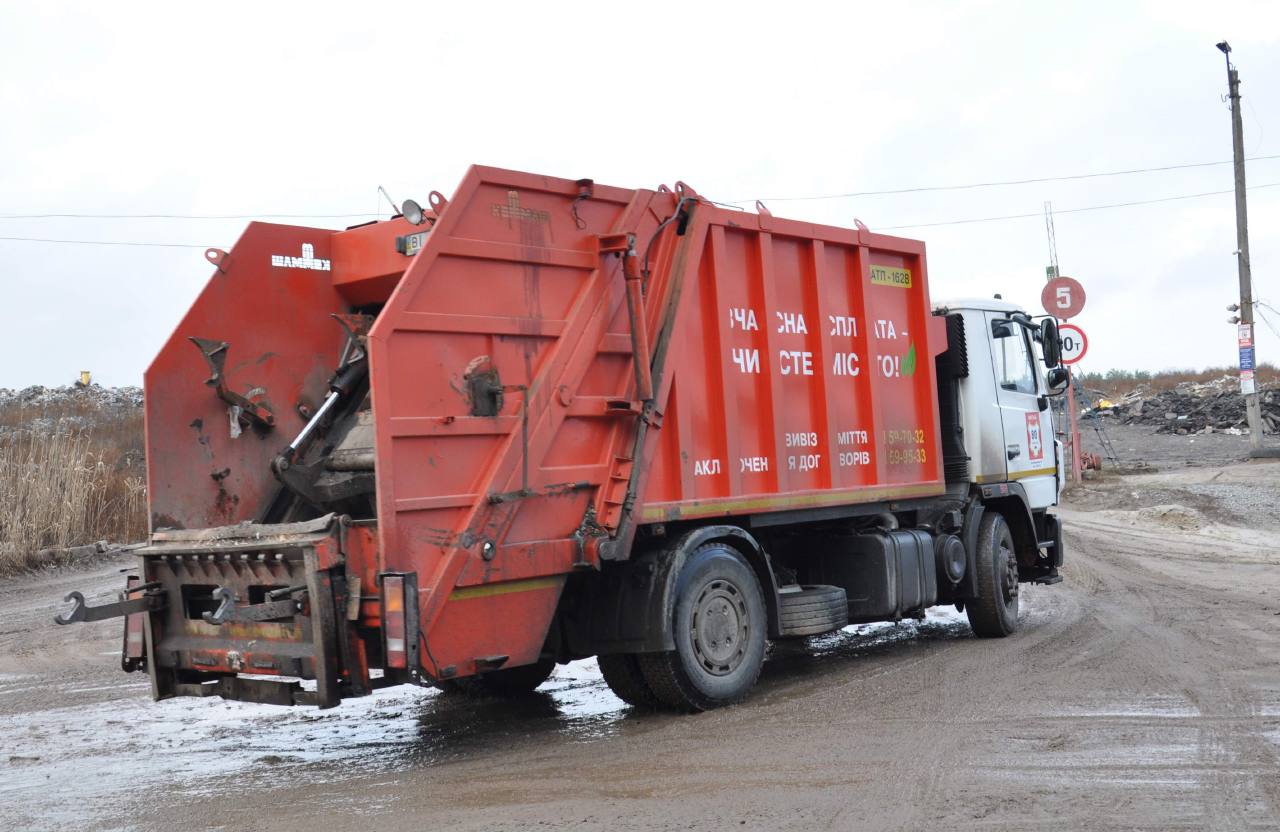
[1001, 329]
[1052, 343]
[1058, 380]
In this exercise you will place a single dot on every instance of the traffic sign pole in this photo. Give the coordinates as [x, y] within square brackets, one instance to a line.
[1074, 421]
[1063, 297]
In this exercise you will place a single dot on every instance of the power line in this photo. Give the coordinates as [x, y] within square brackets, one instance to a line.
[880, 228]
[182, 216]
[1000, 183]
[102, 242]
[1071, 210]
[1258, 305]
[920, 189]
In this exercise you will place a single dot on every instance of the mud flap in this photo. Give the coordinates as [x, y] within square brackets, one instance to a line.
[1053, 533]
[1049, 534]
[967, 589]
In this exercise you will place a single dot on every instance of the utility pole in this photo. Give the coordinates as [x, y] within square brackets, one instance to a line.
[1252, 409]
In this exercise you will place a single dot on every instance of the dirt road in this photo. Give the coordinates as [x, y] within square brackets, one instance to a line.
[1142, 693]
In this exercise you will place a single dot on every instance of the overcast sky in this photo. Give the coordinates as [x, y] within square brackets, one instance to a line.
[228, 108]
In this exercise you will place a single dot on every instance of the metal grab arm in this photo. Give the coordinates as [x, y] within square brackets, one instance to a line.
[252, 410]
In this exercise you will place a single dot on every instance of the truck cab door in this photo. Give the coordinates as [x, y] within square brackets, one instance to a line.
[1030, 456]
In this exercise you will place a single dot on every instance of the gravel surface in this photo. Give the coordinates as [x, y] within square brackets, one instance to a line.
[1140, 446]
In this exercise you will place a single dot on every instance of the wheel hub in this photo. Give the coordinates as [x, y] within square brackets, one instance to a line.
[1009, 582]
[720, 627]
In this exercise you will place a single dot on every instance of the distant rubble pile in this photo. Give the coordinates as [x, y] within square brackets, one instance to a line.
[103, 397]
[44, 408]
[1209, 407]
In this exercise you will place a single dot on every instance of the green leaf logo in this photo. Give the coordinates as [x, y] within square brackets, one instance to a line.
[909, 361]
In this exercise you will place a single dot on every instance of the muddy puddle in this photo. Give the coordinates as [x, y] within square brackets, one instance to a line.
[77, 761]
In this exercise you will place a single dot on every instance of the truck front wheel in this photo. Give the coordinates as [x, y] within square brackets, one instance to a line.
[718, 625]
[994, 612]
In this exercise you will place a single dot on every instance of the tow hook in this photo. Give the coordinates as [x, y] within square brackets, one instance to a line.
[80, 611]
[281, 606]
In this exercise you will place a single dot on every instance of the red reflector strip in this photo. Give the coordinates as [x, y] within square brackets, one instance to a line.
[133, 644]
[393, 623]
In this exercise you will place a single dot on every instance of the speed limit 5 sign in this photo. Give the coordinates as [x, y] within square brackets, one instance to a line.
[1062, 297]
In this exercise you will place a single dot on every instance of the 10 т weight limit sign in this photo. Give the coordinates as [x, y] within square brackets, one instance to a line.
[1074, 343]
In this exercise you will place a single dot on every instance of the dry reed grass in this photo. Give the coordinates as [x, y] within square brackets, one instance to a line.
[69, 476]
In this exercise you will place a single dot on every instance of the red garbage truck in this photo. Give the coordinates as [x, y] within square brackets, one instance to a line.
[548, 419]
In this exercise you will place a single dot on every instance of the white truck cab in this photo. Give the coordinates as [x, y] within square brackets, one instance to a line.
[1004, 401]
[995, 383]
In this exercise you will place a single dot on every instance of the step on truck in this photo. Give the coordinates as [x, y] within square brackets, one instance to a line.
[550, 419]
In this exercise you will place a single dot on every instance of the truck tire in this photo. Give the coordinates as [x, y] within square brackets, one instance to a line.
[622, 674]
[511, 681]
[812, 610]
[994, 612]
[719, 627]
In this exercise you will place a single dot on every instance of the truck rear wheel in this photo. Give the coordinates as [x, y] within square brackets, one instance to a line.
[718, 625]
[511, 681]
[994, 613]
[622, 674]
